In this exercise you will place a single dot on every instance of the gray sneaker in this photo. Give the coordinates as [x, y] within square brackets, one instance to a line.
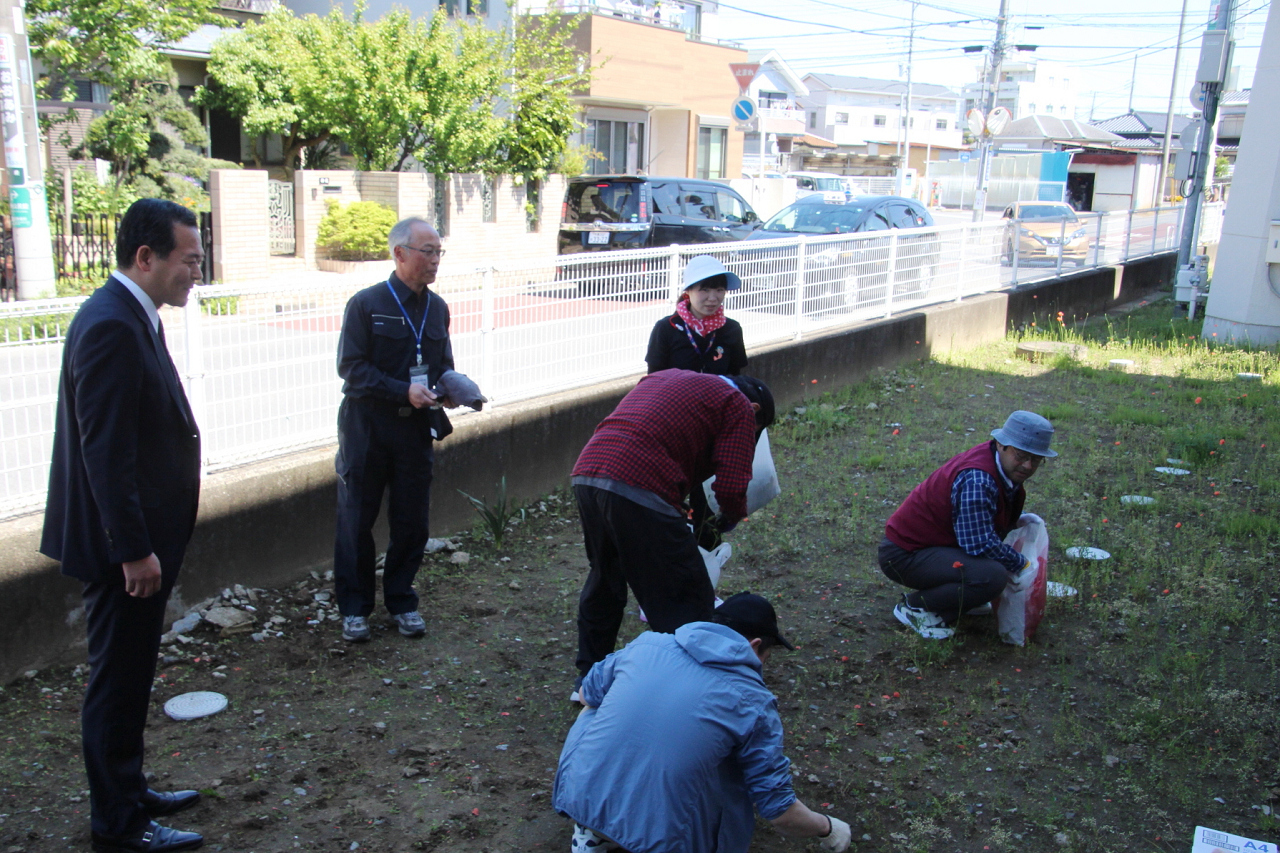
[410, 624]
[926, 624]
[355, 629]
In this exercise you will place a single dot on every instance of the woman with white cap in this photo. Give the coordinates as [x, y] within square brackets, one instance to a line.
[698, 336]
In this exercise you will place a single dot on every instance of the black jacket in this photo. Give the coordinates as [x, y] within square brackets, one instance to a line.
[722, 352]
[125, 476]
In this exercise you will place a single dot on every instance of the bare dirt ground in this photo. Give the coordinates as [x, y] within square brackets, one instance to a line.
[450, 742]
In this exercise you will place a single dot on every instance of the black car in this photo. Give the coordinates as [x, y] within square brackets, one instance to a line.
[855, 274]
[635, 212]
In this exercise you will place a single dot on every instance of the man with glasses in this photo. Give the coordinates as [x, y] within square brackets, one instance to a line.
[393, 349]
[946, 541]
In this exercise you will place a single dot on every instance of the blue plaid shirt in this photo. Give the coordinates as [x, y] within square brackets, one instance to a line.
[973, 506]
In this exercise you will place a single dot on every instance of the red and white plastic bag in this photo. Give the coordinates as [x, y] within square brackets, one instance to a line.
[1020, 607]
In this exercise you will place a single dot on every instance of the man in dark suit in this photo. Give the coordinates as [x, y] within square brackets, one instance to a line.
[123, 489]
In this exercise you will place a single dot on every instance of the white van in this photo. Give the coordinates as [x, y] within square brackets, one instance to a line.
[831, 187]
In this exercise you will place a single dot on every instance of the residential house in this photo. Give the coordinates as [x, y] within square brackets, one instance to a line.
[1028, 87]
[776, 89]
[869, 121]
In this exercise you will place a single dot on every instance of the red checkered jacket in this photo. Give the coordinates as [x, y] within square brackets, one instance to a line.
[673, 431]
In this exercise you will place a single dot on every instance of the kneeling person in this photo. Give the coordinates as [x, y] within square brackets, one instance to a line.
[946, 541]
[680, 739]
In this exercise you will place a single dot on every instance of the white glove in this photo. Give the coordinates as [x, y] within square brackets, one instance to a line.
[1029, 518]
[1021, 579]
[837, 840]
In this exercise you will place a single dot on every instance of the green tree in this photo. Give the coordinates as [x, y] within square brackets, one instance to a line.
[267, 76]
[97, 41]
[546, 72]
[148, 136]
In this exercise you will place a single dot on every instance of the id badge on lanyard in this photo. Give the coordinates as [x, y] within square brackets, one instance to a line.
[418, 376]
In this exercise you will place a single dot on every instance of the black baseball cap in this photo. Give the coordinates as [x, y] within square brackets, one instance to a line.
[757, 392]
[751, 616]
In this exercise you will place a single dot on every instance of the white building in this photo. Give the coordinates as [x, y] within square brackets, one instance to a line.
[1029, 87]
[864, 111]
[776, 90]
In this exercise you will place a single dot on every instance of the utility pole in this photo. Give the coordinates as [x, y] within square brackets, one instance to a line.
[1215, 60]
[28, 205]
[993, 89]
[905, 163]
[1162, 185]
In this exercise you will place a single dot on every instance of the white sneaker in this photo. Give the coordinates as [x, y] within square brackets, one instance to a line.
[410, 624]
[355, 629]
[980, 610]
[926, 624]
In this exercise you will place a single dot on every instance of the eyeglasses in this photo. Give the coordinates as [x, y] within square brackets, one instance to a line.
[430, 253]
[1024, 458]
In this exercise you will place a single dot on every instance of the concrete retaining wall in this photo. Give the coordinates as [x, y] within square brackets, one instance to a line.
[269, 523]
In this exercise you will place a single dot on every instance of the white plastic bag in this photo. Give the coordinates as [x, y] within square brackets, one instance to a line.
[1020, 607]
[764, 485]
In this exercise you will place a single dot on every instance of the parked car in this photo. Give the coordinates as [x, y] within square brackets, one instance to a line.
[830, 187]
[1044, 231]
[856, 273]
[608, 212]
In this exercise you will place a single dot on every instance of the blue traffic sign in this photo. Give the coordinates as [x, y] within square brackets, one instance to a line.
[744, 109]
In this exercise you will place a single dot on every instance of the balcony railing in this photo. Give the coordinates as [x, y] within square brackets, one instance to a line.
[258, 7]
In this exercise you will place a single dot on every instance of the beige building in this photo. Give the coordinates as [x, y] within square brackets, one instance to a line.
[659, 99]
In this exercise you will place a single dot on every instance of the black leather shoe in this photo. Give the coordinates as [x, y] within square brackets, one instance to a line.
[159, 804]
[152, 839]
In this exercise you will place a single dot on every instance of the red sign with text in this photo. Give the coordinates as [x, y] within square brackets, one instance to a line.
[744, 73]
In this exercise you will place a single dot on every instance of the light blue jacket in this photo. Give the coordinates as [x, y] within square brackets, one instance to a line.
[682, 739]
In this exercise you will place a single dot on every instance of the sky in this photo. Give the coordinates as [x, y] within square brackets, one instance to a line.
[871, 39]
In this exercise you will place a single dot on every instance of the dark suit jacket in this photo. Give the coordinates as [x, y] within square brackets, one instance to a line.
[125, 476]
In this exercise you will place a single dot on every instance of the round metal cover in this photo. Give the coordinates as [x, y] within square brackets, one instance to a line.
[192, 706]
[1087, 553]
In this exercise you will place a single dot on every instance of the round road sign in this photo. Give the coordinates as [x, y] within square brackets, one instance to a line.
[743, 109]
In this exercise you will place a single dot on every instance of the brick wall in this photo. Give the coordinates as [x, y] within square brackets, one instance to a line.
[242, 241]
[239, 198]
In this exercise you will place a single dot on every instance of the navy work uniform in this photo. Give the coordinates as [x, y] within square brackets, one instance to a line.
[389, 335]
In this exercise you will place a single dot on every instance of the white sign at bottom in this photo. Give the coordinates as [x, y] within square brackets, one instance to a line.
[1214, 841]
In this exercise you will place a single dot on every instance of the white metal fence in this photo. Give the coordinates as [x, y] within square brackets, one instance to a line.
[259, 362]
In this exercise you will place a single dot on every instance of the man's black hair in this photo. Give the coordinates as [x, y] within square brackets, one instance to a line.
[757, 392]
[150, 222]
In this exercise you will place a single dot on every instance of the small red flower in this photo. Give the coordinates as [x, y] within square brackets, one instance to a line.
[957, 564]
[1198, 400]
[1179, 524]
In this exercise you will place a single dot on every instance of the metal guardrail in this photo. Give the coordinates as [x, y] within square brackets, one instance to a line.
[259, 362]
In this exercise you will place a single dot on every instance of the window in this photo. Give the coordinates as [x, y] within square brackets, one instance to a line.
[699, 203]
[842, 118]
[813, 120]
[1031, 108]
[621, 143]
[731, 207]
[940, 124]
[1062, 111]
[773, 100]
[881, 121]
[712, 145]
[456, 8]
[1048, 110]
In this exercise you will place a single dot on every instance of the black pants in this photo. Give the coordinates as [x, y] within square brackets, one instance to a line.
[654, 554]
[943, 587]
[124, 638]
[378, 449]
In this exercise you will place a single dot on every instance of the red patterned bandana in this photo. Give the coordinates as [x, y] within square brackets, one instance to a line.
[702, 326]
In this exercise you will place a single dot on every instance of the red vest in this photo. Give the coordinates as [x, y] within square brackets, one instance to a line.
[924, 519]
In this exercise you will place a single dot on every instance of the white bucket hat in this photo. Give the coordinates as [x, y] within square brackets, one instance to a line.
[703, 267]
